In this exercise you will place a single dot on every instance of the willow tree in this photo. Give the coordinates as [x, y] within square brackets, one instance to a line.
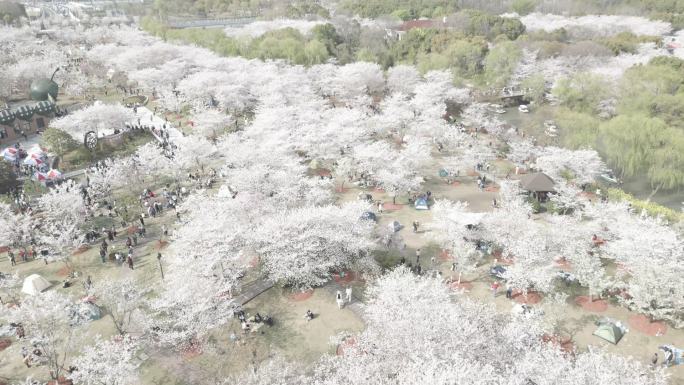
[637, 144]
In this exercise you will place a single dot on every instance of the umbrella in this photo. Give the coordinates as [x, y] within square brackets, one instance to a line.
[54, 174]
[33, 161]
[40, 176]
[10, 154]
[36, 150]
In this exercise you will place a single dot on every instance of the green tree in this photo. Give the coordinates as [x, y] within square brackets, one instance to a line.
[58, 141]
[315, 52]
[500, 63]
[535, 87]
[577, 129]
[582, 92]
[8, 179]
[466, 56]
[403, 14]
[650, 89]
[432, 61]
[667, 168]
[326, 34]
[639, 144]
[364, 54]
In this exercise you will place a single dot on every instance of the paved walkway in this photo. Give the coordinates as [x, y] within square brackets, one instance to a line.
[147, 117]
[252, 290]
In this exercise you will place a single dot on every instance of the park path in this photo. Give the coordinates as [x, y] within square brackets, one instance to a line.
[252, 290]
[356, 306]
[148, 117]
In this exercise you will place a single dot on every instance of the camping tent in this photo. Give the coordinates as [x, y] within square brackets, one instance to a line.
[34, 284]
[676, 355]
[395, 226]
[422, 204]
[369, 216]
[609, 332]
[84, 312]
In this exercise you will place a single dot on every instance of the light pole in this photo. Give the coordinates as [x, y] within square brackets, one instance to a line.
[161, 269]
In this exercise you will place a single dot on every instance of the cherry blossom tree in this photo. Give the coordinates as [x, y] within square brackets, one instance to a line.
[583, 165]
[202, 271]
[99, 117]
[455, 229]
[47, 321]
[193, 152]
[15, 228]
[211, 123]
[440, 339]
[107, 362]
[355, 82]
[63, 214]
[403, 79]
[149, 160]
[303, 246]
[650, 253]
[124, 302]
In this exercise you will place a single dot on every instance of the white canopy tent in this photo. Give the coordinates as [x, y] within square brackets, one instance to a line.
[34, 284]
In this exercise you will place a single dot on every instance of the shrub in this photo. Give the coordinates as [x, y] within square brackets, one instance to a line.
[651, 208]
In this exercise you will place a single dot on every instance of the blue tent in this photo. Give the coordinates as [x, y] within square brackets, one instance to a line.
[369, 216]
[421, 204]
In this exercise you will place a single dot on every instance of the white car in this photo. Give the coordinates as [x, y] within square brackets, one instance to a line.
[523, 108]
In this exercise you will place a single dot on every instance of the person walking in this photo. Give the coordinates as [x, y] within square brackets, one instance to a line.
[12, 258]
[339, 299]
[417, 256]
[495, 288]
[129, 260]
[380, 207]
[415, 226]
[509, 291]
[348, 291]
[103, 254]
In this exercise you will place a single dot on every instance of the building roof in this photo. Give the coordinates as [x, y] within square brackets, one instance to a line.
[45, 107]
[537, 182]
[24, 112]
[6, 116]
